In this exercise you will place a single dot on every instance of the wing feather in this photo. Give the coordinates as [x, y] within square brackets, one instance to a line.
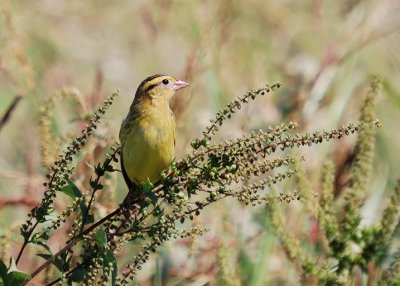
[128, 182]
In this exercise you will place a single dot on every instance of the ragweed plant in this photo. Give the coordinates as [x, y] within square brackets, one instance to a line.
[347, 244]
[244, 168]
[50, 144]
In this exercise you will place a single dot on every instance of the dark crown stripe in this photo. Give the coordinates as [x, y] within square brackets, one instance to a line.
[149, 79]
[153, 77]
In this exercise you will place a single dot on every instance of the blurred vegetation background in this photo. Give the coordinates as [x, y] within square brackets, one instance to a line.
[79, 52]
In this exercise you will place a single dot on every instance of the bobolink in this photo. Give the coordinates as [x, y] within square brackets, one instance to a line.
[147, 133]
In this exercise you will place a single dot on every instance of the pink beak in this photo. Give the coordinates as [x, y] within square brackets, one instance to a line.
[179, 84]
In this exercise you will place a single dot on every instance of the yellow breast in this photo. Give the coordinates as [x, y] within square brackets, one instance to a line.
[148, 145]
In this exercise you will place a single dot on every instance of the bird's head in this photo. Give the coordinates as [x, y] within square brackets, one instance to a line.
[159, 88]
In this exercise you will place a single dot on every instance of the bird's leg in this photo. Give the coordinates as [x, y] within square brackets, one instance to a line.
[128, 203]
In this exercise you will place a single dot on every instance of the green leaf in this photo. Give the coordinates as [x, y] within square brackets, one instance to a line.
[71, 190]
[78, 275]
[110, 168]
[58, 262]
[7, 278]
[153, 197]
[96, 186]
[45, 235]
[109, 258]
[101, 238]
[16, 273]
[89, 219]
[147, 186]
[99, 170]
[44, 256]
[43, 244]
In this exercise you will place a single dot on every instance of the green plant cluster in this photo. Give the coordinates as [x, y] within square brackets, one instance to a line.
[347, 245]
[245, 168]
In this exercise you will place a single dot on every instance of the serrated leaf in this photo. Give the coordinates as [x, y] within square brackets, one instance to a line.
[101, 238]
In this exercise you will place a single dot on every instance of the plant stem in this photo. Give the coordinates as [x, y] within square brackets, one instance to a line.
[9, 111]
[26, 241]
[73, 242]
[87, 210]
[68, 273]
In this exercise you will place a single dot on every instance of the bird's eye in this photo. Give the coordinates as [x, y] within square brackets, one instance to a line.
[165, 81]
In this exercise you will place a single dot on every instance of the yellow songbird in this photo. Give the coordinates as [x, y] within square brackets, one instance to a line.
[147, 133]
